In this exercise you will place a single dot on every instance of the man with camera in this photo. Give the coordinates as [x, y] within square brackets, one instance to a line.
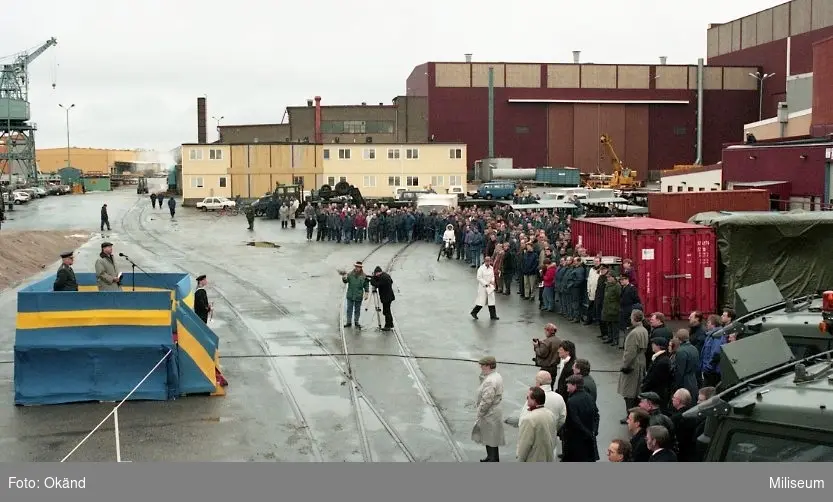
[546, 352]
[383, 286]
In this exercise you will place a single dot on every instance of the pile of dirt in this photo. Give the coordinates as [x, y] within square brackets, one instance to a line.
[26, 253]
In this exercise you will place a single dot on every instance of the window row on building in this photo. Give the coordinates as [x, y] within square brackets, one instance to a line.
[392, 153]
[373, 181]
[213, 154]
[357, 127]
[680, 188]
[222, 181]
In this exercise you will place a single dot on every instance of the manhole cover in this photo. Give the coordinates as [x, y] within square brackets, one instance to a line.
[262, 244]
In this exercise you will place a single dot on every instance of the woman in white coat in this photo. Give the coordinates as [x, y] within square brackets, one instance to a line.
[488, 427]
[485, 289]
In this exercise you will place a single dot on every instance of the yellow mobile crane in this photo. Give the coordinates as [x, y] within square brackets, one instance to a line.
[622, 177]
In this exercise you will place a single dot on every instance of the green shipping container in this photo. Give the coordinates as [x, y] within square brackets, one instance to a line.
[558, 176]
[69, 175]
[97, 184]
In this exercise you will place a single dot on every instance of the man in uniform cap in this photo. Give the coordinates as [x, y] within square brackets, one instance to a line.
[488, 427]
[65, 280]
[106, 273]
[201, 306]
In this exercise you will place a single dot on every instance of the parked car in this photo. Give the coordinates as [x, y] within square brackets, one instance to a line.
[40, 192]
[214, 203]
[21, 197]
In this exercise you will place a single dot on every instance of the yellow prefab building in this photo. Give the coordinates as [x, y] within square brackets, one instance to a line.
[256, 169]
[379, 170]
[205, 172]
[88, 160]
[250, 171]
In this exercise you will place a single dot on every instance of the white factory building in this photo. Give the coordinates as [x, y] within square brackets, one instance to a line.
[693, 179]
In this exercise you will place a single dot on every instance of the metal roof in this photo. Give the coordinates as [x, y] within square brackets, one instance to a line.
[544, 204]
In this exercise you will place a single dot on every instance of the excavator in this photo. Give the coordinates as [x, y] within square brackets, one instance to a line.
[622, 178]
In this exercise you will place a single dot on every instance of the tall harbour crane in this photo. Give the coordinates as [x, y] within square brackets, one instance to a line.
[17, 134]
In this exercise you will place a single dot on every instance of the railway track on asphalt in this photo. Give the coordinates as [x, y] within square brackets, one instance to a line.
[256, 293]
[410, 363]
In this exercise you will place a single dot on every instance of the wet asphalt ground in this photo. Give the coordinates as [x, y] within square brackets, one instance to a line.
[278, 313]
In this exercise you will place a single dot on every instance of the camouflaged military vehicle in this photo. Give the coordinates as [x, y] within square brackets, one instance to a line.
[774, 407]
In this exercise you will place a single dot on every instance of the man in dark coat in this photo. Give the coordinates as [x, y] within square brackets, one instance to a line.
[658, 440]
[383, 285]
[685, 428]
[686, 364]
[201, 306]
[65, 279]
[658, 330]
[628, 302]
[105, 218]
[578, 434]
[659, 376]
[153, 200]
[638, 422]
[250, 216]
[696, 331]
[582, 367]
[172, 206]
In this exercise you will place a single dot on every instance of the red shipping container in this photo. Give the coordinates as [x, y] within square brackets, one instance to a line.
[680, 206]
[675, 263]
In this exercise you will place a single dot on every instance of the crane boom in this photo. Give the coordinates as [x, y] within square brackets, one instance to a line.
[623, 177]
[14, 81]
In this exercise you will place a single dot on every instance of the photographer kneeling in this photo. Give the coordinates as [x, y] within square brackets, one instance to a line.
[546, 352]
[383, 285]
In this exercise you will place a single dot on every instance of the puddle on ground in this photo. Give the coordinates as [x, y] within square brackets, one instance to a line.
[262, 244]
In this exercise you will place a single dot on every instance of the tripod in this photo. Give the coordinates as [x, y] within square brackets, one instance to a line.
[378, 310]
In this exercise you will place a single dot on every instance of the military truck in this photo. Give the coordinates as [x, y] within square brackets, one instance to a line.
[761, 307]
[775, 408]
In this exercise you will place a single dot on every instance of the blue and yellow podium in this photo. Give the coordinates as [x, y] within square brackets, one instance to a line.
[97, 346]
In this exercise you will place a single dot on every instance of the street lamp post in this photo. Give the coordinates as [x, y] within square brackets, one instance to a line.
[67, 109]
[218, 125]
[760, 78]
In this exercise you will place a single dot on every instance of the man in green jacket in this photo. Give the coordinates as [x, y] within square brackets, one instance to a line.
[358, 288]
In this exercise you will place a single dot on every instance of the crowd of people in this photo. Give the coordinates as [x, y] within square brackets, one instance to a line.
[661, 378]
[662, 374]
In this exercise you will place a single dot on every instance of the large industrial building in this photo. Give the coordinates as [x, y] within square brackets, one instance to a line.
[87, 160]
[554, 114]
[790, 150]
[779, 41]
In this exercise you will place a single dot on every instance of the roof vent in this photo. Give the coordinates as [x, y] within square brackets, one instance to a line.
[468, 58]
[663, 59]
[576, 57]
[364, 103]
[309, 102]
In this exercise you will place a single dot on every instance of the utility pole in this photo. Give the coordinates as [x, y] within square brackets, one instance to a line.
[491, 112]
[67, 109]
[760, 78]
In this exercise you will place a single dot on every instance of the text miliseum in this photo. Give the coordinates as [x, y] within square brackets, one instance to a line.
[786, 482]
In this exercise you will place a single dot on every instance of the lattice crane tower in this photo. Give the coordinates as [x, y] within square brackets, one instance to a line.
[17, 134]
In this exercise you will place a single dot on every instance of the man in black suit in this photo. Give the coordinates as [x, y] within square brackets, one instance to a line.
[383, 285]
[658, 439]
[578, 434]
[201, 306]
[638, 422]
[65, 279]
[659, 377]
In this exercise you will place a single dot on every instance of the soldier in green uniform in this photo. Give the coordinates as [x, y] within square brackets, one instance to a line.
[250, 217]
[65, 280]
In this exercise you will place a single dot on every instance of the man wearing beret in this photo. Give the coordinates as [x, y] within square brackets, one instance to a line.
[107, 275]
[65, 280]
[201, 306]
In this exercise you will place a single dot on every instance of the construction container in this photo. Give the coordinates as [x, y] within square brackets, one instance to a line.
[96, 183]
[675, 263]
[69, 175]
[680, 206]
[558, 176]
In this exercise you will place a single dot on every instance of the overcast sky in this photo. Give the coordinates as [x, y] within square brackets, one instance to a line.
[135, 68]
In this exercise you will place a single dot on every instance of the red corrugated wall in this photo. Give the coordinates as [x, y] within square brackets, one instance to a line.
[822, 88]
[561, 134]
[675, 263]
[778, 163]
[680, 206]
[461, 114]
